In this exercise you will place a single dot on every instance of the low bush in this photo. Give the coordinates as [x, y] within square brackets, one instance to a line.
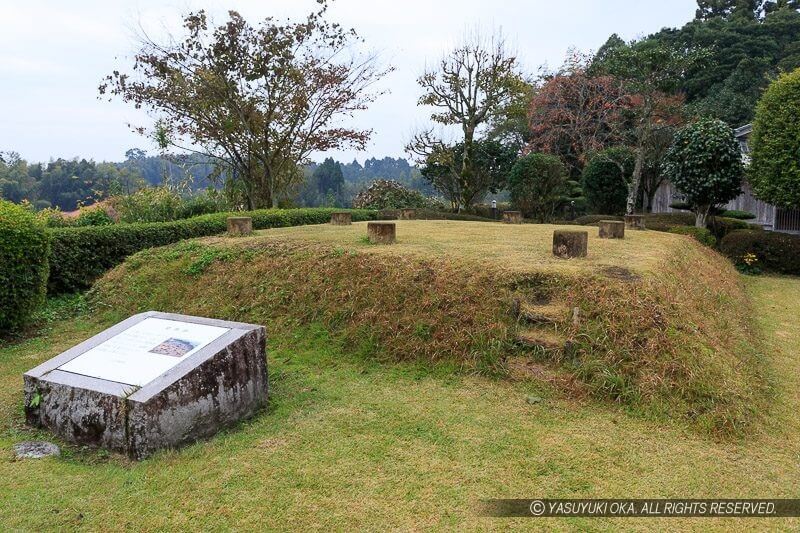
[53, 217]
[24, 249]
[701, 234]
[588, 220]
[151, 204]
[207, 202]
[741, 215]
[390, 194]
[718, 226]
[432, 214]
[667, 221]
[721, 226]
[81, 255]
[774, 252]
[538, 184]
[605, 180]
[485, 210]
[93, 216]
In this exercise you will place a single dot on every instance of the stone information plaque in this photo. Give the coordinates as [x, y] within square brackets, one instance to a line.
[153, 381]
[144, 351]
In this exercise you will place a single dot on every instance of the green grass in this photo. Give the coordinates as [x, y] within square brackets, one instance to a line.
[350, 443]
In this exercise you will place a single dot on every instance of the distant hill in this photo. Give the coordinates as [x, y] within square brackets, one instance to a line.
[69, 183]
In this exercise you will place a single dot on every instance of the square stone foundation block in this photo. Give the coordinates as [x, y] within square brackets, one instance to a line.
[381, 232]
[341, 219]
[240, 226]
[214, 387]
[634, 222]
[570, 243]
[612, 229]
[512, 217]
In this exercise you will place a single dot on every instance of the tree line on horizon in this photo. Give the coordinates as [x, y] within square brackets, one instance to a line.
[67, 184]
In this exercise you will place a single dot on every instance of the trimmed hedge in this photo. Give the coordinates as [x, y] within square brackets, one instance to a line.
[81, 255]
[430, 214]
[702, 235]
[741, 215]
[588, 220]
[721, 226]
[24, 249]
[667, 221]
[776, 252]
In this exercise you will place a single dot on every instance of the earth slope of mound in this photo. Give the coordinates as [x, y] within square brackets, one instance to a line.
[655, 322]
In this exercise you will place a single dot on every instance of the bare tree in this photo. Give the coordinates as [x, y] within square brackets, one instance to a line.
[470, 86]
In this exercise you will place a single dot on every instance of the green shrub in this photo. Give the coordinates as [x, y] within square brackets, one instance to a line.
[207, 202]
[538, 183]
[774, 252]
[24, 251]
[93, 216]
[589, 220]
[740, 215]
[704, 163]
[605, 180]
[389, 194]
[151, 204]
[703, 235]
[485, 210]
[432, 214]
[775, 144]
[721, 226]
[54, 218]
[81, 255]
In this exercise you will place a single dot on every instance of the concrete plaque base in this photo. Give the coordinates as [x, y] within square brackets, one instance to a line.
[153, 381]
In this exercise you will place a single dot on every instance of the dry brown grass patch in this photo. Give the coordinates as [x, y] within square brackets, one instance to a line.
[664, 324]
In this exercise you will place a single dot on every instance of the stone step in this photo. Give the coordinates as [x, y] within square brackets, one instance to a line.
[541, 338]
[543, 314]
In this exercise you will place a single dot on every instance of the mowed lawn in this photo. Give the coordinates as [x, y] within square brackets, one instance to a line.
[515, 247]
[350, 444]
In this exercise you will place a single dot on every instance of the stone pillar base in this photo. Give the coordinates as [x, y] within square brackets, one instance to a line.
[240, 226]
[634, 222]
[341, 219]
[570, 243]
[381, 232]
[612, 229]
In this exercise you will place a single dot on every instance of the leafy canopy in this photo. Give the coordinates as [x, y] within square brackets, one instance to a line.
[705, 164]
[538, 183]
[775, 144]
[605, 180]
[491, 162]
[258, 99]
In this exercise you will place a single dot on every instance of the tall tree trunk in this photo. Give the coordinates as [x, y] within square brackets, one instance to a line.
[701, 216]
[467, 168]
[636, 179]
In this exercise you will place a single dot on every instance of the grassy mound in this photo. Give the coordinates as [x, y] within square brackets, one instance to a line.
[656, 322]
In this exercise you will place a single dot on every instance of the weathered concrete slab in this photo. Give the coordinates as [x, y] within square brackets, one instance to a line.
[153, 381]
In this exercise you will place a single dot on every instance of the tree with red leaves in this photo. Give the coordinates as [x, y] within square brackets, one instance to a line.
[574, 114]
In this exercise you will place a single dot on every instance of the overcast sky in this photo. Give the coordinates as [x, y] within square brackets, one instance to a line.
[54, 53]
